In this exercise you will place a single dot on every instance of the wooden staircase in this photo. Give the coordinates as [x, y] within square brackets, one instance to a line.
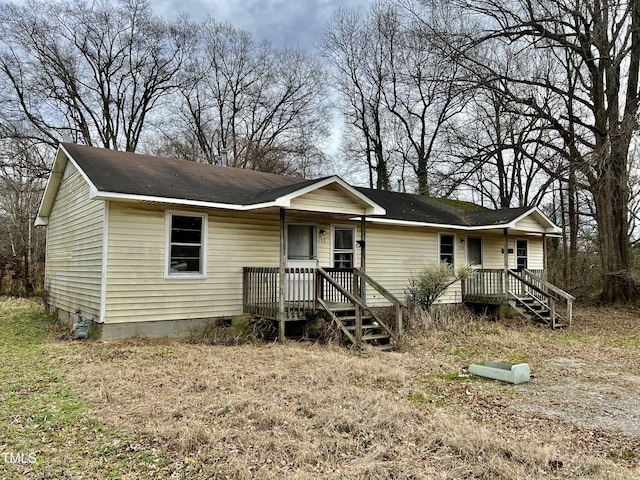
[358, 322]
[372, 332]
[536, 298]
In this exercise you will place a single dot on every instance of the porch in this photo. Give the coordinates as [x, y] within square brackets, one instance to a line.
[342, 294]
[294, 294]
[525, 290]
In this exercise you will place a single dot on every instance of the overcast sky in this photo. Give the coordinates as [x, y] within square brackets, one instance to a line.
[286, 23]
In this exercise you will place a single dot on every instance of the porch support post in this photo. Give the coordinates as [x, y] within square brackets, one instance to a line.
[506, 263]
[282, 313]
[363, 256]
[544, 255]
[363, 238]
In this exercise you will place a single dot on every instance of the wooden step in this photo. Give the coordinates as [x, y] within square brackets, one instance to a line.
[376, 336]
[368, 326]
[383, 348]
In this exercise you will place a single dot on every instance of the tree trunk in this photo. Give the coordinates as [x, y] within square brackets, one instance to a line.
[611, 200]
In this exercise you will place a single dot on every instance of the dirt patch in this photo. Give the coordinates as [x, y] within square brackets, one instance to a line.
[601, 398]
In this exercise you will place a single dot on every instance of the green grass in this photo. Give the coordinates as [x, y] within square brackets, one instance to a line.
[42, 417]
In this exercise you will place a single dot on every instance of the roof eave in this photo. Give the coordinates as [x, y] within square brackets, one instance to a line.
[53, 184]
[371, 207]
[100, 195]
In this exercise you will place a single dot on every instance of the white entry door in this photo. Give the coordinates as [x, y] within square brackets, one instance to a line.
[302, 252]
[474, 251]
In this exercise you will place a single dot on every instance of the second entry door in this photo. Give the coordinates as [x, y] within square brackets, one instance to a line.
[302, 252]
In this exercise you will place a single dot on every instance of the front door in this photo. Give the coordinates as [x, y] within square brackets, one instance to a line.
[302, 252]
[474, 251]
[475, 284]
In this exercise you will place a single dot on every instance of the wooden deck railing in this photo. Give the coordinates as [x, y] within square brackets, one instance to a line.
[357, 300]
[489, 283]
[538, 287]
[304, 287]
[344, 277]
[261, 292]
[488, 286]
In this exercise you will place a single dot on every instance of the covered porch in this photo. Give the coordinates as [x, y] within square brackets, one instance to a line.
[527, 291]
[294, 294]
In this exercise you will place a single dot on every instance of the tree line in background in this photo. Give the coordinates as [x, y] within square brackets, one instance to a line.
[503, 102]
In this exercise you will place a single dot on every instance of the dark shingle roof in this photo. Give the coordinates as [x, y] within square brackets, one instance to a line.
[113, 171]
[418, 208]
[135, 174]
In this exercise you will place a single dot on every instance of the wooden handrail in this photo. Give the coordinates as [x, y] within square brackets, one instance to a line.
[350, 296]
[532, 285]
[550, 286]
[359, 303]
[386, 293]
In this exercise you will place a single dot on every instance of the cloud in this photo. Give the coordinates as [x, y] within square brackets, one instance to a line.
[285, 23]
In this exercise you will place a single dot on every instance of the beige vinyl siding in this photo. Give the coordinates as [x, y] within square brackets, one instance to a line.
[529, 224]
[394, 254]
[494, 258]
[327, 199]
[74, 249]
[136, 286]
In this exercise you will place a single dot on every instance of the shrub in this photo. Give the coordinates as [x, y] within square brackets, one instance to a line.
[243, 330]
[429, 284]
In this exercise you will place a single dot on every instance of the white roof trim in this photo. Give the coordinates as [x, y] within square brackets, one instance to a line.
[551, 229]
[53, 183]
[554, 228]
[284, 201]
[98, 195]
[372, 207]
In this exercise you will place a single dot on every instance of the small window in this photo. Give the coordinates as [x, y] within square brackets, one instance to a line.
[446, 248]
[343, 238]
[186, 245]
[521, 254]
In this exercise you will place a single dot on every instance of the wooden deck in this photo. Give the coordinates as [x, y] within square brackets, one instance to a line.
[294, 294]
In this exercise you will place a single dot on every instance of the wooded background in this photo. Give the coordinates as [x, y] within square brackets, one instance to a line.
[504, 103]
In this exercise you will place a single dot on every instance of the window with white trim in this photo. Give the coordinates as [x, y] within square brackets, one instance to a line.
[447, 244]
[522, 254]
[343, 247]
[186, 245]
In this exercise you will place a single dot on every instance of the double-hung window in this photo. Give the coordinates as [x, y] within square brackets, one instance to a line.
[522, 254]
[343, 241]
[447, 243]
[186, 245]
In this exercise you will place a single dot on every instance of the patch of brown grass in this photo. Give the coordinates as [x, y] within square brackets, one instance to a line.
[298, 412]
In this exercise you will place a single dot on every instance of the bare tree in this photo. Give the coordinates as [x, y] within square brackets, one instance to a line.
[355, 48]
[400, 91]
[265, 107]
[90, 73]
[23, 173]
[590, 107]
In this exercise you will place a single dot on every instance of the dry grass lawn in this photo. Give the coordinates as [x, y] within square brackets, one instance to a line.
[298, 411]
[309, 411]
